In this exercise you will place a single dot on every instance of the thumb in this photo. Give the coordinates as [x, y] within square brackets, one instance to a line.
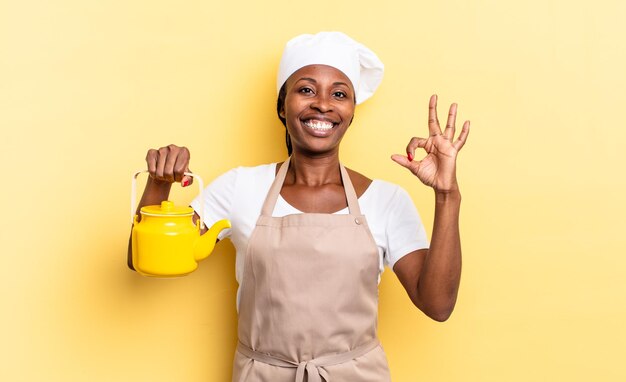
[186, 180]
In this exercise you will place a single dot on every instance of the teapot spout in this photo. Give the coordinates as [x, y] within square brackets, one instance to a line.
[206, 242]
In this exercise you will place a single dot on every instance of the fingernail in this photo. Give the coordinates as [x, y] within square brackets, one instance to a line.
[185, 182]
[410, 157]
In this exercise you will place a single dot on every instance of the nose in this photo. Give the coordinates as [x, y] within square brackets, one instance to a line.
[322, 103]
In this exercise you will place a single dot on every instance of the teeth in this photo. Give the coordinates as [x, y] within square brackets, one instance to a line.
[318, 125]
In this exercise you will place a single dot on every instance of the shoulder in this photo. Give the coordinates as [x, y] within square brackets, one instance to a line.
[262, 170]
[250, 173]
[378, 189]
[387, 188]
[242, 177]
[389, 205]
[375, 187]
[387, 194]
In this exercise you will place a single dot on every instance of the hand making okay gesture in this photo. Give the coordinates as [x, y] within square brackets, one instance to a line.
[438, 168]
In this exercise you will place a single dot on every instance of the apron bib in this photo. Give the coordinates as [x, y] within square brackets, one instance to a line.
[309, 300]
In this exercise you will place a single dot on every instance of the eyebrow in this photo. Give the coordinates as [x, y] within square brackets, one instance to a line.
[313, 81]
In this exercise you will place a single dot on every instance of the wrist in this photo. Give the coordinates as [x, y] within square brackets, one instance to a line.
[155, 192]
[158, 185]
[448, 196]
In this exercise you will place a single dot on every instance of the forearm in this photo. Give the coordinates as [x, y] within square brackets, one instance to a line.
[440, 276]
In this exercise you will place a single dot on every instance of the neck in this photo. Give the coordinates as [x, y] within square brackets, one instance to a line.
[313, 171]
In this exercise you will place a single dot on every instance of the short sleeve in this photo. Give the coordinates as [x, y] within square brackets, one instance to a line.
[403, 227]
[218, 200]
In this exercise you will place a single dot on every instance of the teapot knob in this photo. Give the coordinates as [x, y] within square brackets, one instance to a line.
[166, 205]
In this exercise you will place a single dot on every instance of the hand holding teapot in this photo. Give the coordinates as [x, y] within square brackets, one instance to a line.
[165, 242]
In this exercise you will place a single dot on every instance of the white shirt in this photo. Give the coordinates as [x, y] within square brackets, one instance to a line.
[238, 196]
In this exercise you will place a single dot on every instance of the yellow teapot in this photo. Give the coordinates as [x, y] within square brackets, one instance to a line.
[166, 242]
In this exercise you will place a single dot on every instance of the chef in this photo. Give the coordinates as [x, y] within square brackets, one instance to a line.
[312, 236]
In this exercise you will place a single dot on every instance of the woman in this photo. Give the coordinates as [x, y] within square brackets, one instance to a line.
[312, 236]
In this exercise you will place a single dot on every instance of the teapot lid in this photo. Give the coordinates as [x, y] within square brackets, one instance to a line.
[166, 208]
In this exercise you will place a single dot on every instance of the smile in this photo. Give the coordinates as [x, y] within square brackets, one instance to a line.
[318, 125]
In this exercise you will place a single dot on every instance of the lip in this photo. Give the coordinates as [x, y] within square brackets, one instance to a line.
[319, 117]
[309, 125]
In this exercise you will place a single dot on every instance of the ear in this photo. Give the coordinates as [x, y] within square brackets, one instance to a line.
[282, 113]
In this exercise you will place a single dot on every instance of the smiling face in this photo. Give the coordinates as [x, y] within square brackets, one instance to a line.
[318, 108]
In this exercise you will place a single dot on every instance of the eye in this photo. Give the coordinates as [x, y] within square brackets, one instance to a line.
[340, 94]
[305, 90]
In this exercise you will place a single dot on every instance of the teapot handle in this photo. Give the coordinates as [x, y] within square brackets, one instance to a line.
[133, 196]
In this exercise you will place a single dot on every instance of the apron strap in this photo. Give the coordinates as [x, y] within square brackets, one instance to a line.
[272, 194]
[277, 185]
[314, 368]
[353, 201]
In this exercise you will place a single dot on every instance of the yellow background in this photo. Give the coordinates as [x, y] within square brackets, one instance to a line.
[86, 87]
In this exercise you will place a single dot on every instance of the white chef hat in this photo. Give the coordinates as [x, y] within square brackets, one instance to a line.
[356, 61]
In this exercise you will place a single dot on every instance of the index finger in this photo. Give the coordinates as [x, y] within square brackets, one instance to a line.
[151, 159]
[433, 121]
